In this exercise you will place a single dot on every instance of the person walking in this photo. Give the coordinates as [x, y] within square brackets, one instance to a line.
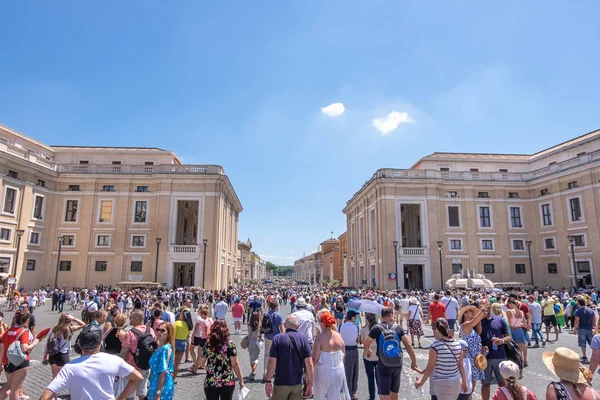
[306, 320]
[388, 336]
[183, 327]
[253, 343]
[549, 316]
[516, 322]
[220, 357]
[221, 309]
[513, 390]
[584, 324]
[494, 335]
[161, 385]
[237, 313]
[436, 310]
[415, 319]
[271, 325]
[370, 362]
[469, 319]
[58, 345]
[350, 335]
[451, 310]
[536, 322]
[290, 358]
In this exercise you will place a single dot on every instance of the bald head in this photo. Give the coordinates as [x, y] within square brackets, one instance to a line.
[291, 322]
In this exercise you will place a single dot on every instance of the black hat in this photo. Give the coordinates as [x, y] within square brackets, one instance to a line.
[90, 337]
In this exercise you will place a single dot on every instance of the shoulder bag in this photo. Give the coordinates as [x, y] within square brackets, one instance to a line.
[302, 363]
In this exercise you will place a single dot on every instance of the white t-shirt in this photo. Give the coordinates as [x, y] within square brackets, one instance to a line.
[451, 306]
[349, 332]
[32, 301]
[404, 303]
[536, 312]
[90, 306]
[415, 312]
[91, 377]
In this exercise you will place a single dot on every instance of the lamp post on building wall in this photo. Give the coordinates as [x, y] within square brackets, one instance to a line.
[344, 276]
[572, 241]
[528, 243]
[60, 242]
[156, 266]
[205, 242]
[396, 260]
[20, 233]
[440, 243]
[330, 269]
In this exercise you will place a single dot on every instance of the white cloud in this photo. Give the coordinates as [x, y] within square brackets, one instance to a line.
[333, 110]
[389, 123]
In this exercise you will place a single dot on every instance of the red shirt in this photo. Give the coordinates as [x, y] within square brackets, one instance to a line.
[436, 310]
[237, 310]
[9, 337]
[524, 308]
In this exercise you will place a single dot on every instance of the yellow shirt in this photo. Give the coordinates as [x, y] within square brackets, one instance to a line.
[181, 330]
[548, 305]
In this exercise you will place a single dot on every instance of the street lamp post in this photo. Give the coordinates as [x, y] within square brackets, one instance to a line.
[440, 243]
[205, 242]
[528, 243]
[396, 259]
[20, 233]
[60, 242]
[344, 277]
[572, 241]
[156, 266]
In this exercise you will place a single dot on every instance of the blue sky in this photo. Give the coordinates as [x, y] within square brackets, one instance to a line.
[243, 83]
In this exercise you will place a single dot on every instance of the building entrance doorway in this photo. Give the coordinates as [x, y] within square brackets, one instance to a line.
[413, 276]
[184, 274]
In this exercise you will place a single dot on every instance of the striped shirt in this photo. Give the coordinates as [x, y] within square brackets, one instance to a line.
[446, 366]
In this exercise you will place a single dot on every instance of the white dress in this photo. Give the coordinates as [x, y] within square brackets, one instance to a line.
[330, 377]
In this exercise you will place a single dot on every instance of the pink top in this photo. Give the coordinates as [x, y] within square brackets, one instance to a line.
[237, 311]
[205, 325]
[130, 342]
[499, 395]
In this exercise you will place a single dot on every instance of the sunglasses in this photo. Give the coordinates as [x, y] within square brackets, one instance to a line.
[161, 330]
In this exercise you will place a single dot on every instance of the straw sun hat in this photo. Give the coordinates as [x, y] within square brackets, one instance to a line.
[463, 310]
[565, 364]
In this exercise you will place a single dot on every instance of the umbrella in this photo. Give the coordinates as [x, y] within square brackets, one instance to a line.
[368, 306]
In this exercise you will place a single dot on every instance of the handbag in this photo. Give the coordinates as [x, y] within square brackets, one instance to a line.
[15, 354]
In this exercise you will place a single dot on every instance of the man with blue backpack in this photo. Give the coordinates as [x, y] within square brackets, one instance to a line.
[388, 336]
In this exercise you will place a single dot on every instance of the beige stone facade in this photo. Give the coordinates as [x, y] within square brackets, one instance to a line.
[485, 210]
[110, 206]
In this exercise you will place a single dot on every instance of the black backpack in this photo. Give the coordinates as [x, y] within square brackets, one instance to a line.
[146, 347]
[53, 344]
[339, 306]
[267, 323]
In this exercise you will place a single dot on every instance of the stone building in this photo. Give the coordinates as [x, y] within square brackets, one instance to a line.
[115, 214]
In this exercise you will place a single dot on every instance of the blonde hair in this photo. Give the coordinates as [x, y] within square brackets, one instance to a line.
[119, 320]
[498, 311]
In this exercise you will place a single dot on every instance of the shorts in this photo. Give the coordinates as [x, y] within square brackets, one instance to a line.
[10, 368]
[452, 324]
[180, 345]
[584, 336]
[59, 359]
[339, 315]
[142, 389]
[518, 335]
[493, 366]
[237, 319]
[388, 379]
[196, 341]
[550, 320]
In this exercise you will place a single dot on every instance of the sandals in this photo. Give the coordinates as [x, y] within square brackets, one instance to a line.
[192, 370]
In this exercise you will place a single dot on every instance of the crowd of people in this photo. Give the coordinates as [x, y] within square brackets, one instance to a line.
[132, 343]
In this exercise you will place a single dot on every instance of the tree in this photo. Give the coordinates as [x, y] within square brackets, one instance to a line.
[270, 266]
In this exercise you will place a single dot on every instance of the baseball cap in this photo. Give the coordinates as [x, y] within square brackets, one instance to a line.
[90, 337]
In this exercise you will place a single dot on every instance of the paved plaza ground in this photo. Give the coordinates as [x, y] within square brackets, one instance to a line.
[189, 386]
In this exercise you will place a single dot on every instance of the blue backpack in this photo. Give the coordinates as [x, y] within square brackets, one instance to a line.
[390, 352]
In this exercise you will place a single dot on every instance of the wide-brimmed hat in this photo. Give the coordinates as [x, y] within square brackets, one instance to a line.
[414, 301]
[301, 302]
[565, 364]
[463, 310]
[480, 362]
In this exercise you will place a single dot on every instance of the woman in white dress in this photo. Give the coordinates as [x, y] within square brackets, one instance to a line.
[328, 357]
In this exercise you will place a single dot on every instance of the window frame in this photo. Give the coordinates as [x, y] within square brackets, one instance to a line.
[461, 268]
[372, 229]
[450, 240]
[552, 271]
[15, 200]
[97, 236]
[524, 271]
[68, 263]
[74, 239]
[585, 241]
[39, 237]
[493, 269]
[27, 268]
[581, 213]
[134, 208]
[361, 235]
[511, 218]
[65, 208]
[43, 208]
[481, 240]
[490, 216]
[133, 235]
[546, 248]
[10, 235]
[551, 214]
[141, 263]
[112, 211]
[513, 248]
[100, 270]
[458, 206]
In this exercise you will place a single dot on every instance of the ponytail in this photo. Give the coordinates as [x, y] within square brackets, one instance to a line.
[515, 389]
[442, 326]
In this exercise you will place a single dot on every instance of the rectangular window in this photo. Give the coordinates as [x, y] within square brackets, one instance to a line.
[74, 188]
[38, 207]
[10, 200]
[352, 238]
[30, 265]
[474, 169]
[484, 217]
[68, 240]
[149, 163]
[456, 268]
[544, 192]
[84, 162]
[103, 240]
[13, 174]
[443, 169]
[575, 209]
[138, 241]
[483, 195]
[136, 266]
[513, 195]
[453, 217]
[546, 215]
[549, 243]
[108, 188]
[361, 236]
[71, 211]
[116, 163]
[518, 244]
[140, 211]
[142, 189]
[106, 209]
[41, 183]
[4, 263]
[5, 234]
[487, 244]
[101, 266]
[515, 217]
[572, 185]
[372, 229]
[553, 268]
[579, 240]
[503, 170]
[34, 238]
[65, 266]
[583, 267]
[451, 194]
[520, 268]
[455, 244]
[488, 269]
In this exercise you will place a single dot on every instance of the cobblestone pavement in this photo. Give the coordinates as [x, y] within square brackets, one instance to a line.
[536, 376]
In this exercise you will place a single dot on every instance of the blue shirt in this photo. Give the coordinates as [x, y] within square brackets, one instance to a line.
[586, 318]
[276, 321]
[494, 327]
[255, 305]
[288, 371]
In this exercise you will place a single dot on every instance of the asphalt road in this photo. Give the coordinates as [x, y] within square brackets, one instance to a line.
[536, 376]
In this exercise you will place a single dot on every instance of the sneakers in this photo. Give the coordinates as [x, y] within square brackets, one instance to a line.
[584, 360]
[536, 346]
[543, 344]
